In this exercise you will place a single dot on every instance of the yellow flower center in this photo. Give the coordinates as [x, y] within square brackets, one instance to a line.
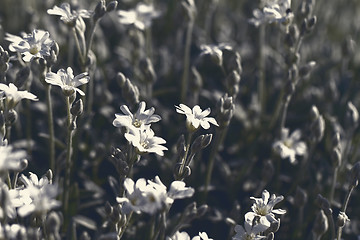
[137, 123]
[34, 50]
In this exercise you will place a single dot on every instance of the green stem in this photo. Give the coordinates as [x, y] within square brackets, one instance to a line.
[123, 229]
[219, 138]
[68, 157]
[261, 83]
[332, 191]
[186, 66]
[51, 127]
[78, 46]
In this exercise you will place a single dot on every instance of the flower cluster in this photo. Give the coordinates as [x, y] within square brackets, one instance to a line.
[138, 129]
[151, 196]
[261, 217]
[34, 45]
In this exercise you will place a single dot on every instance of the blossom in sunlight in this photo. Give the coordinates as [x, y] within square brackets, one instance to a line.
[66, 80]
[179, 236]
[13, 95]
[202, 236]
[290, 146]
[12, 232]
[145, 141]
[263, 208]
[10, 159]
[177, 190]
[67, 15]
[141, 117]
[196, 117]
[140, 17]
[141, 197]
[273, 11]
[34, 45]
[35, 196]
[250, 232]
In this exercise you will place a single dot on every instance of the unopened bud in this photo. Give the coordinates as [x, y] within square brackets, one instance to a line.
[336, 157]
[342, 219]
[324, 204]
[147, 69]
[306, 69]
[53, 222]
[181, 146]
[11, 117]
[85, 236]
[108, 208]
[111, 6]
[202, 210]
[270, 236]
[23, 164]
[355, 175]
[321, 224]
[100, 10]
[77, 108]
[352, 116]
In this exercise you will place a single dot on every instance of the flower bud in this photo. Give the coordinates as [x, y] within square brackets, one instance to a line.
[342, 219]
[11, 117]
[270, 236]
[100, 10]
[181, 146]
[23, 164]
[321, 224]
[348, 47]
[202, 210]
[352, 116]
[306, 69]
[197, 81]
[111, 6]
[355, 175]
[85, 236]
[77, 108]
[53, 222]
[148, 71]
[108, 208]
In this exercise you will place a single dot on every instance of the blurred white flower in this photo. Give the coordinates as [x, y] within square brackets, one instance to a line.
[196, 117]
[140, 17]
[66, 80]
[13, 95]
[11, 232]
[68, 16]
[134, 199]
[34, 45]
[202, 236]
[10, 159]
[7, 209]
[141, 117]
[273, 11]
[36, 196]
[145, 141]
[249, 232]
[290, 146]
[179, 236]
[263, 208]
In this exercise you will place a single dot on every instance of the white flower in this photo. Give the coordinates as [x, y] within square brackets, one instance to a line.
[140, 17]
[141, 117]
[7, 209]
[145, 141]
[68, 16]
[34, 45]
[13, 95]
[250, 232]
[66, 80]
[179, 236]
[196, 117]
[263, 208]
[202, 236]
[290, 146]
[135, 199]
[273, 11]
[11, 232]
[36, 196]
[10, 159]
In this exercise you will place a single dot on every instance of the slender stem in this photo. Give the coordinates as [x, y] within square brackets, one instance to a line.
[347, 198]
[331, 223]
[261, 83]
[184, 161]
[123, 229]
[78, 46]
[186, 66]
[68, 157]
[51, 127]
[333, 184]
